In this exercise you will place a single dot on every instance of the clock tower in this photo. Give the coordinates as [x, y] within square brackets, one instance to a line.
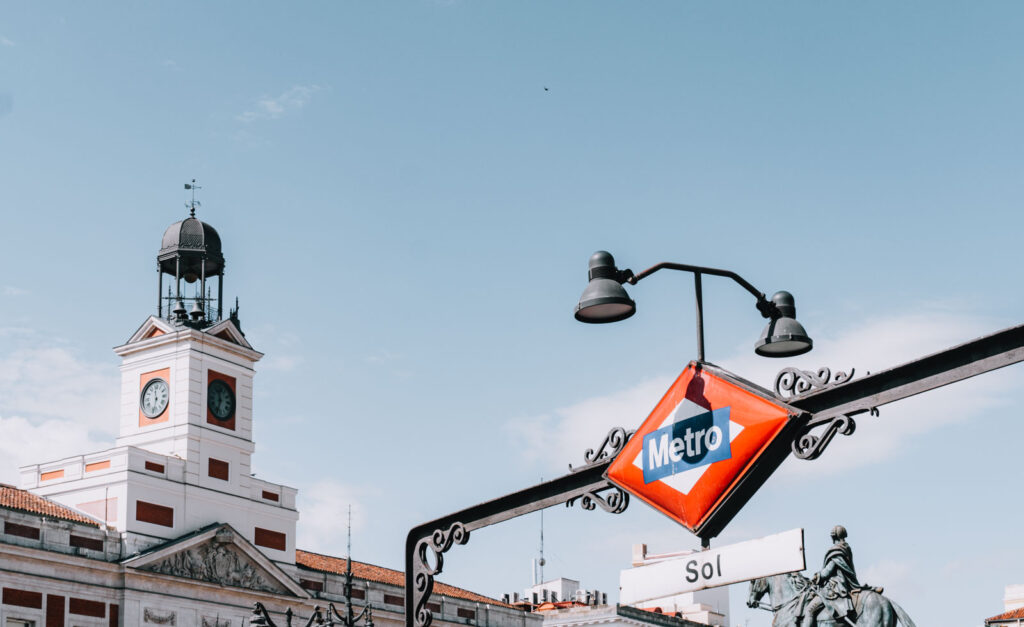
[182, 459]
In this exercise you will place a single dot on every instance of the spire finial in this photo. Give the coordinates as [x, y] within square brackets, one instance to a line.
[195, 203]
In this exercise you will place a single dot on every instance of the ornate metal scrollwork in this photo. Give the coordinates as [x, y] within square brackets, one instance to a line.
[261, 618]
[438, 544]
[614, 502]
[611, 446]
[811, 446]
[791, 383]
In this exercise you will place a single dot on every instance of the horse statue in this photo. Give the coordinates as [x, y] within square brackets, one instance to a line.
[789, 593]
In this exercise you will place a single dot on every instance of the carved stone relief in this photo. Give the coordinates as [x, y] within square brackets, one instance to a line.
[158, 617]
[210, 621]
[215, 562]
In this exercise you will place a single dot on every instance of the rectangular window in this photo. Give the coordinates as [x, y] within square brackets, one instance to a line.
[270, 496]
[218, 469]
[54, 610]
[270, 539]
[22, 531]
[154, 467]
[464, 613]
[53, 474]
[86, 543]
[103, 465]
[155, 514]
[315, 586]
[434, 607]
[84, 607]
[23, 598]
[391, 599]
[358, 594]
[115, 611]
[20, 622]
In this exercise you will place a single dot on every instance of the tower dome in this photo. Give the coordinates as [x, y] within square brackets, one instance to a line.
[190, 251]
[187, 244]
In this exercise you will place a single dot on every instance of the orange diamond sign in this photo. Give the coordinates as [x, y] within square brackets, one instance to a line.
[711, 441]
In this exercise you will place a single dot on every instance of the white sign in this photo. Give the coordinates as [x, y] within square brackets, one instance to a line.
[771, 555]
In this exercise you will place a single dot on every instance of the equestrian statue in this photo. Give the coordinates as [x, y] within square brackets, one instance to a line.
[831, 598]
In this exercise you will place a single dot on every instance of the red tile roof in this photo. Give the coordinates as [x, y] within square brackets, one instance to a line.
[23, 500]
[1017, 614]
[370, 572]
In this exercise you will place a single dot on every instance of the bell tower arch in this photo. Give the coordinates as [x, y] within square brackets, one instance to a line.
[191, 252]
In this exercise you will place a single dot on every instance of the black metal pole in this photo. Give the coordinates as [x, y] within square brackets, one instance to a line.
[159, 291]
[700, 317]
[202, 286]
[437, 536]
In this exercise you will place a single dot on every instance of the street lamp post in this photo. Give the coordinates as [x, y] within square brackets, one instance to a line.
[605, 300]
[825, 400]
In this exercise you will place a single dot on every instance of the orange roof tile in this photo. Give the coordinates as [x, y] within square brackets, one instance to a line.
[13, 498]
[370, 572]
[1016, 614]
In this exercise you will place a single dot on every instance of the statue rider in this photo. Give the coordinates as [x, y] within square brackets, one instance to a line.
[836, 581]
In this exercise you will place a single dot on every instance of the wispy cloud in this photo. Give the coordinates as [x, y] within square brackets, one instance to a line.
[870, 346]
[324, 512]
[272, 108]
[28, 441]
[383, 356]
[6, 42]
[898, 576]
[53, 404]
[571, 430]
[52, 382]
[281, 363]
[12, 290]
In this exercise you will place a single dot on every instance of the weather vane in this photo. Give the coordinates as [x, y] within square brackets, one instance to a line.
[195, 203]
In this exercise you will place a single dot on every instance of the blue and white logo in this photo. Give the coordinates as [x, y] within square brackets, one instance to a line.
[690, 443]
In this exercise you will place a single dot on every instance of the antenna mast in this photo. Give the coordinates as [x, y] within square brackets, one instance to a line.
[542, 561]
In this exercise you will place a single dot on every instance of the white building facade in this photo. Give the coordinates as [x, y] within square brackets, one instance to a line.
[170, 526]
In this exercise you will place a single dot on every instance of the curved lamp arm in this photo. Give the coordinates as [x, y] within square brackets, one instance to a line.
[767, 308]
[604, 300]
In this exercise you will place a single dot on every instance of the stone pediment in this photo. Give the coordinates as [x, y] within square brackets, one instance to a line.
[152, 327]
[218, 555]
[228, 331]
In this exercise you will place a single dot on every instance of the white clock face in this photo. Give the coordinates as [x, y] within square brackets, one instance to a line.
[220, 399]
[154, 398]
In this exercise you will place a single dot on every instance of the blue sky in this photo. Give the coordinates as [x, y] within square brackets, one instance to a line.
[407, 215]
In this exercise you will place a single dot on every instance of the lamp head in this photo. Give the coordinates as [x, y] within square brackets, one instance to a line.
[784, 336]
[604, 299]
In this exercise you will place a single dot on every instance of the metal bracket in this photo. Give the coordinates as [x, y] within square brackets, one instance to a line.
[611, 446]
[585, 484]
[614, 502]
[423, 574]
[810, 446]
[792, 383]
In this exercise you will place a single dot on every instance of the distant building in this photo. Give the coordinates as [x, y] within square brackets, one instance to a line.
[1013, 607]
[563, 603]
[171, 526]
[707, 607]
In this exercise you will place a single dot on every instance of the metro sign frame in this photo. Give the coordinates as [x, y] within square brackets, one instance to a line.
[708, 445]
